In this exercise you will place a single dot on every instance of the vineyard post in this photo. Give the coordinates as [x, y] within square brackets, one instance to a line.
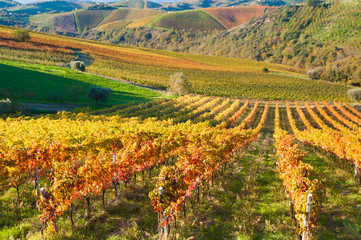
[115, 176]
[37, 181]
[355, 173]
[103, 197]
[306, 234]
[44, 193]
[198, 190]
[71, 214]
[166, 228]
[88, 204]
[184, 207]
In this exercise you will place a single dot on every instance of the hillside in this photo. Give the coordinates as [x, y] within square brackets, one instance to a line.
[89, 18]
[62, 23]
[207, 19]
[208, 75]
[138, 4]
[49, 84]
[196, 4]
[8, 3]
[128, 14]
[195, 20]
[325, 38]
[44, 7]
[234, 16]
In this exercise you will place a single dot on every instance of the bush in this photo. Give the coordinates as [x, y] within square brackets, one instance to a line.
[355, 94]
[315, 73]
[77, 66]
[179, 84]
[5, 105]
[97, 93]
[265, 70]
[21, 35]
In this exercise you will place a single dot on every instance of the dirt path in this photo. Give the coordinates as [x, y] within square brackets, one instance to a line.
[52, 107]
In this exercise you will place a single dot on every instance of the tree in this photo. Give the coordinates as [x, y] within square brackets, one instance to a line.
[77, 66]
[75, 90]
[355, 94]
[179, 84]
[313, 3]
[314, 73]
[99, 93]
[21, 35]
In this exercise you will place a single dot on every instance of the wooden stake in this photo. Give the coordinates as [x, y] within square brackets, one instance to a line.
[306, 223]
[71, 214]
[37, 181]
[184, 207]
[356, 171]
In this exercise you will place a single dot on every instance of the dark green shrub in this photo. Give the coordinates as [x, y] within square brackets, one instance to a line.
[21, 35]
[97, 93]
[77, 66]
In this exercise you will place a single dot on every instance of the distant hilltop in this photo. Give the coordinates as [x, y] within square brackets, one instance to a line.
[102, 1]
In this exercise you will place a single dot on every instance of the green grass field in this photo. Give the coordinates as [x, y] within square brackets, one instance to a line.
[54, 84]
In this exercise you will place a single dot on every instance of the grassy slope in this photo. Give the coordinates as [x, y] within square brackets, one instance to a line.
[116, 25]
[127, 14]
[89, 18]
[197, 20]
[46, 82]
[143, 22]
[43, 16]
[139, 4]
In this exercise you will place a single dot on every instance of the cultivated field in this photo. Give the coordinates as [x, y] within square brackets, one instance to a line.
[234, 16]
[232, 176]
[128, 14]
[207, 74]
[89, 18]
[196, 20]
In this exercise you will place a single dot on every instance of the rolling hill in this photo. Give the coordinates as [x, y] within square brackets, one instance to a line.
[45, 7]
[325, 39]
[128, 14]
[8, 3]
[208, 75]
[195, 20]
[89, 18]
[231, 17]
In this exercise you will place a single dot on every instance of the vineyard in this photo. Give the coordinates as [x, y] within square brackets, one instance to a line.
[217, 76]
[169, 168]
